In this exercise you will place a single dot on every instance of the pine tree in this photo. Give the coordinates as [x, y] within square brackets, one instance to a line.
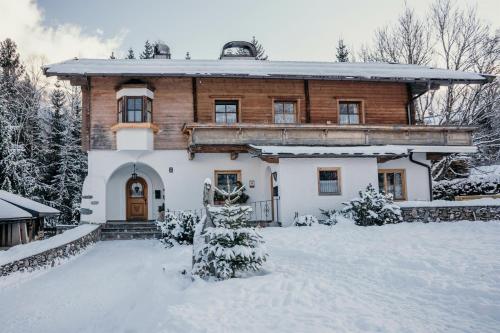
[342, 52]
[130, 54]
[230, 247]
[261, 52]
[148, 51]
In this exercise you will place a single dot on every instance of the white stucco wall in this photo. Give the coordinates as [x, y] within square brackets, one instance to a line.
[298, 184]
[134, 139]
[183, 187]
[417, 181]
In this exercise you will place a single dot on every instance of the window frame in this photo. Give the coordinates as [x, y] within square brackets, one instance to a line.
[122, 109]
[226, 172]
[296, 103]
[403, 180]
[361, 104]
[339, 180]
[237, 101]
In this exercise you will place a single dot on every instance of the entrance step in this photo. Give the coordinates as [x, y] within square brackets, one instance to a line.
[117, 230]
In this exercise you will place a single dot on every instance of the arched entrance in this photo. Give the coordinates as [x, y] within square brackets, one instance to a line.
[137, 199]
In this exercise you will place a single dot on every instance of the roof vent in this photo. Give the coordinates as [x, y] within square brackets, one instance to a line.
[238, 50]
[162, 51]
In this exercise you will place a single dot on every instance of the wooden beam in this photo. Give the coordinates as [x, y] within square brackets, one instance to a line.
[308, 101]
[195, 99]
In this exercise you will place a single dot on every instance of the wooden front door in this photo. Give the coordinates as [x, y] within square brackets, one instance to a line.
[137, 199]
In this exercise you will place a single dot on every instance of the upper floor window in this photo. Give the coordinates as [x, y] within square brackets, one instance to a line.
[226, 112]
[349, 113]
[137, 109]
[329, 181]
[285, 112]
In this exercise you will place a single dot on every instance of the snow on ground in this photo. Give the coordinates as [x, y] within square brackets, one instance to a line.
[436, 277]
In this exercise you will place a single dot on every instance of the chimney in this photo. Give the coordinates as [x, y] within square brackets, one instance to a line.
[162, 51]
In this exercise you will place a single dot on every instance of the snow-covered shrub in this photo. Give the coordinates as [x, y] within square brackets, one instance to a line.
[305, 221]
[373, 208]
[178, 229]
[230, 246]
[478, 185]
[332, 216]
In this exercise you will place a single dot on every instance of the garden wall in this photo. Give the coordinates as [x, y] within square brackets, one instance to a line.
[450, 213]
[48, 252]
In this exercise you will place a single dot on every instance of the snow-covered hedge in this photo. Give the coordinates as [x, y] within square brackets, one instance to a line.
[449, 189]
[305, 221]
[178, 229]
[332, 216]
[373, 208]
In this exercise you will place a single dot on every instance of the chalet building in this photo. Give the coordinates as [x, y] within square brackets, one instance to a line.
[299, 135]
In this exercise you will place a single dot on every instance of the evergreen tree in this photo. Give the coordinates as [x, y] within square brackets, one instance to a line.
[148, 52]
[230, 247]
[342, 52]
[130, 54]
[261, 52]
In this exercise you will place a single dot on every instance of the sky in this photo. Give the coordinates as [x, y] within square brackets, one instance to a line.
[56, 30]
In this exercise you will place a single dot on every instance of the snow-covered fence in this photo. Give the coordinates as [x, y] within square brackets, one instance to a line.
[443, 211]
[48, 252]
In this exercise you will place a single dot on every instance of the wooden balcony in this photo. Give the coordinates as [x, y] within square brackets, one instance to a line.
[210, 134]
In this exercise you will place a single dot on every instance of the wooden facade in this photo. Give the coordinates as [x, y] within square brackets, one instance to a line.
[178, 101]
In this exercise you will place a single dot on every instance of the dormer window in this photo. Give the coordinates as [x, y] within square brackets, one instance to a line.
[135, 105]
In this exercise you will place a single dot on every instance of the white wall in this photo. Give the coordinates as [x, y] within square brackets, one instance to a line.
[298, 184]
[417, 181]
[134, 139]
[183, 187]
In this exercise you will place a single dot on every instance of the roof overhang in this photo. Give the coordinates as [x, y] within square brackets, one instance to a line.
[36, 209]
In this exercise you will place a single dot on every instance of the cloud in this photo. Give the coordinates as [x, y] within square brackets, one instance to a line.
[22, 21]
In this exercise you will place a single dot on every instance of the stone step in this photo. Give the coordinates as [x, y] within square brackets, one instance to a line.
[130, 235]
[127, 227]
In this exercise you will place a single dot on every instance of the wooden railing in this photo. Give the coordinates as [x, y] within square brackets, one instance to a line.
[316, 134]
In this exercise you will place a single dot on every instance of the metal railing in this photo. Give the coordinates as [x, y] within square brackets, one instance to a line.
[265, 211]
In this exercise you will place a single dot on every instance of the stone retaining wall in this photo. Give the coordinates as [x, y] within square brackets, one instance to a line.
[451, 213]
[52, 257]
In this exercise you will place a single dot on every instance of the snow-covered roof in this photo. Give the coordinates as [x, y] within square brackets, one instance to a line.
[358, 150]
[260, 69]
[9, 211]
[33, 207]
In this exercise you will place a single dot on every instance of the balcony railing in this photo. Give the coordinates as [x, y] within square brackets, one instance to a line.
[325, 135]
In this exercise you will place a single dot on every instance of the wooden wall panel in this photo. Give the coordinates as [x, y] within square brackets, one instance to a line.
[172, 107]
[384, 102]
[256, 96]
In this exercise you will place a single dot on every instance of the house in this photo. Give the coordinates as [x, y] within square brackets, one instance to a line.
[299, 135]
[21, 219]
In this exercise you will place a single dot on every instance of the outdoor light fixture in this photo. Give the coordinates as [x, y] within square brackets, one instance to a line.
[134, 174]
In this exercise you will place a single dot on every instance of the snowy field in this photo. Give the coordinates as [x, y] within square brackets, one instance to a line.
[396, 278]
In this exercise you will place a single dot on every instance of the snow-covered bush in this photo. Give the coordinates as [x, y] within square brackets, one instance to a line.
[178, 229]
[332, 216]
[373, 208]
[305, 221]
[230, 246]
[449, 189]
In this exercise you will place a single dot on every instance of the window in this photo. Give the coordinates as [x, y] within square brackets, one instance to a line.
[285, 112]
[226, 112]
[135, 109]
[349, 113]
[136, 190]
[393, 182]
[329, 181]
[227, 180]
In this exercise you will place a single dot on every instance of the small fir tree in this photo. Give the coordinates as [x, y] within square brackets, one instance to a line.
[342, 52]
[229, 246]
[148, 52]
[261, 52]
[178, 229]
[130, 54]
